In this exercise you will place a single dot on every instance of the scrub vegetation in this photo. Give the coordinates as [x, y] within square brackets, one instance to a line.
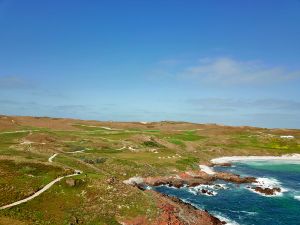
[108, 153]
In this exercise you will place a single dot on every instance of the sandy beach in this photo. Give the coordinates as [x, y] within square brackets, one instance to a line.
[290, 157]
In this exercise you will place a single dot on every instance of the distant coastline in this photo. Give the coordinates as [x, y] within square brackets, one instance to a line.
[228, 159]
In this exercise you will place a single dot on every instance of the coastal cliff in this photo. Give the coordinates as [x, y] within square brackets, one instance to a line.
[176, 212]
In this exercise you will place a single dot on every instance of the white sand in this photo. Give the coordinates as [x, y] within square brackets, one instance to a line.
[207, 169]
[293, 157]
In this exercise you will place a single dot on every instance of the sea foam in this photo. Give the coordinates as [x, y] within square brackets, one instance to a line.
[297, 197]
[271, 183]
[213, 188]
[223, 218]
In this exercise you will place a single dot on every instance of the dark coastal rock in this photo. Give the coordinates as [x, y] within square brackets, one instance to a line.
[142, 187]
[175, 211]
[203, 191]
[208, 192]
[266, 191]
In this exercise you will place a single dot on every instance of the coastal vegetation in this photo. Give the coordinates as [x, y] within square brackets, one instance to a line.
[108, 153]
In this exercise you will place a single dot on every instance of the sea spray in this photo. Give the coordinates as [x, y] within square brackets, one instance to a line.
[243, 207]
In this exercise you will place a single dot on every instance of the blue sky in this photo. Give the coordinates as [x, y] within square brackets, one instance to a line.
[232, 62]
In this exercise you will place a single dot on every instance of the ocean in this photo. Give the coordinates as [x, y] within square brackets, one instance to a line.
[238, 204]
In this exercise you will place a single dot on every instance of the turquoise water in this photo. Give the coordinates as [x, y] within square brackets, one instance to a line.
[242, 206]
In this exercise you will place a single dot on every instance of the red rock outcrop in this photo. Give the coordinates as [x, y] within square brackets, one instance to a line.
[175, 212]
[194, 178]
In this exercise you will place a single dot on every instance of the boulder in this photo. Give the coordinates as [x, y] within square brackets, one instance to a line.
[71, 182]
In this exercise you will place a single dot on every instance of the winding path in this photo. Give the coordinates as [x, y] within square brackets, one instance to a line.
[36, 194]
[17, 131]
[79, 151]
[52, 157]
[46, 187]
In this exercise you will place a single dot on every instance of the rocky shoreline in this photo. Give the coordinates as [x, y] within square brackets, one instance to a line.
[172, 207]
[176, 212]
[189, 179]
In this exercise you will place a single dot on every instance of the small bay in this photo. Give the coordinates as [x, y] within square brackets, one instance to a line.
[237, 204]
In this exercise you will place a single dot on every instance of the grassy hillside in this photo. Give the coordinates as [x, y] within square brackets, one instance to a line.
[109, 153]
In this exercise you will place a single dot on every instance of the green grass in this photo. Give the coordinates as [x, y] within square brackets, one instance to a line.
[273, 143]
[183, 136]
[152, 144]
[151, 131]
[185, 163]
[8, 139]
[94, 200]
[176, 142]
[19, 179]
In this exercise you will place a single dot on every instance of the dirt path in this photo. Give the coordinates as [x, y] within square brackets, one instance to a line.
[18, 131]
[36, 194]
[46, 187]
[52, 157]
[79, 151]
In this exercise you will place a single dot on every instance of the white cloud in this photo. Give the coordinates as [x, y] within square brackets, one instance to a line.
[228, 71]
